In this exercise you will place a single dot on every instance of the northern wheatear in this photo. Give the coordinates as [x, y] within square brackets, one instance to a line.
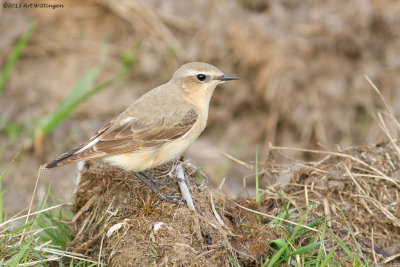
[158, 126]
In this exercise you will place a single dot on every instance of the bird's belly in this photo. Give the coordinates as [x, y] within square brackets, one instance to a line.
[152, 157]
[133, 161]
[170, 151]
[173, 149]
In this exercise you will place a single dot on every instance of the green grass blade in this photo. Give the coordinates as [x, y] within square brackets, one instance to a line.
[17, 258]
[328, 257]
[299, 224]
[286, 207]
[11, 129]
[353, 237]
[82, 91]
[277, 255]
[257, 184]
[311, 224]
[298, 227]
[85, 83]
[8, 167]
[43, 263]
[21, 227]
[234, 263]
[279, 243]
[319, 257]
[16, 52]
[1, 189]
[307, 249]
[22, 244]
[283, 215]
[82, 86]
[60, 114]
[343, 246]
[258, 200]
[59, 236]
[69, 104]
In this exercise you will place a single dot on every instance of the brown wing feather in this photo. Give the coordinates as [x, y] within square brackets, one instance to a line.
[128, 137]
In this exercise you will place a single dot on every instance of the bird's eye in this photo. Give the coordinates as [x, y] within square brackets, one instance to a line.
[201, 77]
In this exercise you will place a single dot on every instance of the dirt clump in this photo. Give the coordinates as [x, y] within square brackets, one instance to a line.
[354, 190]
[167, 234]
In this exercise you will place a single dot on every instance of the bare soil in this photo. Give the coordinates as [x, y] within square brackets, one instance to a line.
[167, 234]
[355, 188]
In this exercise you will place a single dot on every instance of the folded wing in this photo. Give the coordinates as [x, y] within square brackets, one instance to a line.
[129, 135]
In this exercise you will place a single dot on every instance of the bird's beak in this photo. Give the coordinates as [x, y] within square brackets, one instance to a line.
[225, 77]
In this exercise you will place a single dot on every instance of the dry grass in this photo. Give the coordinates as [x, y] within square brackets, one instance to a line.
[115, 223]
[356, 188]
[357, 184]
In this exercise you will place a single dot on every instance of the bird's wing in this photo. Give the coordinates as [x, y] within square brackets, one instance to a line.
[130, 135]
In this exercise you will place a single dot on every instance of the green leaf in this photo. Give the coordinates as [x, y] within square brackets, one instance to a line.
[15, 53]
[307, 249]
[17, 258]
[328, 257]
[303, 230]
[257, 186]
[321, 248]
[277, 255]
[82, 91]
[343, 246]
[353, 237]
[1, 190]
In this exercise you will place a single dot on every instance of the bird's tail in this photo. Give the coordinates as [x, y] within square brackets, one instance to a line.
[66, 158]
[61, 160]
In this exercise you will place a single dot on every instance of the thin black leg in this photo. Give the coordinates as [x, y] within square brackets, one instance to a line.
[158, 183]
[144, 177]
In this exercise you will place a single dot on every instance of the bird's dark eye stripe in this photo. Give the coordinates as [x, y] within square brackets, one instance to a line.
[201, 77]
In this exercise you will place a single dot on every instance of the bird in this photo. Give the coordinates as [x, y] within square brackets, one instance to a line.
[157, 127]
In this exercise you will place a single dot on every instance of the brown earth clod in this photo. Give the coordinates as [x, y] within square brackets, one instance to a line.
[346, 186]
[167, 234]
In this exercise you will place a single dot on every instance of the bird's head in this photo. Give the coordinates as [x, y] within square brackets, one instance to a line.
[198, 80]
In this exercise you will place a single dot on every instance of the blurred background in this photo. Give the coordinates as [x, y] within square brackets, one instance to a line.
[66, 71]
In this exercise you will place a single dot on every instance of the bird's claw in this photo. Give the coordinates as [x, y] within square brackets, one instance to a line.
[148, 180]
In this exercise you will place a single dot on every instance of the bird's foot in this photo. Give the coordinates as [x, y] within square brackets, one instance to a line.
[168, 181]
[148, 180]
[170, 198]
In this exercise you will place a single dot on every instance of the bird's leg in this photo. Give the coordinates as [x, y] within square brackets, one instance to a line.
[158, 183]
[150, 178]
[145, 179]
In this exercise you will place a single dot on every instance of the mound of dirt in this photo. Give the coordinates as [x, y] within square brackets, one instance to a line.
[356, 189]
[110, 200]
